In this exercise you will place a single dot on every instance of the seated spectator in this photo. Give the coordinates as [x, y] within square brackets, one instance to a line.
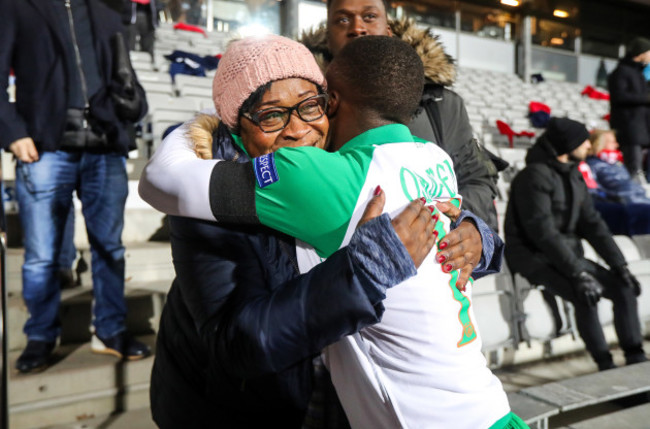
[621, 201]
[549, 212]
[606, 162]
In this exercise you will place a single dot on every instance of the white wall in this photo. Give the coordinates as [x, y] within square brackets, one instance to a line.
[310, 15]
[486, 54]
[588, 67]
[448, 40]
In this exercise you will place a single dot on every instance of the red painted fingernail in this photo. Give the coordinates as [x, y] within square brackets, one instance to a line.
[447, 268]
[431, 209]
[435, 232]
[377, 190]
[443, 245]
[424, 200]
[441, 259]
[436, 217]
[464, 288]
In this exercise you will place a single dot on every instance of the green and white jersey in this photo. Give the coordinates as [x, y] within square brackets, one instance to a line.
[422, 366]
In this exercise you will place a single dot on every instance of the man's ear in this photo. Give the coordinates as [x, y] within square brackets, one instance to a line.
[389, 32]
[333, 103]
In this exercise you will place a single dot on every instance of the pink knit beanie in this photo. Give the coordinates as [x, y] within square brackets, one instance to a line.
[254, 61]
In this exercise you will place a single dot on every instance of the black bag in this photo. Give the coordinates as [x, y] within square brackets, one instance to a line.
[127, 99]
[80, 135]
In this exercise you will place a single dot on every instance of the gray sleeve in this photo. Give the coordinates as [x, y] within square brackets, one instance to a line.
[380, 256]
[493, 246]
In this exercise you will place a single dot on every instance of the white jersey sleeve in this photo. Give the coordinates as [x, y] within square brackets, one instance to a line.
[175, 181]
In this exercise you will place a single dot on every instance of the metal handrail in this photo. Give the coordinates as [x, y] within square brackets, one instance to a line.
[4, 361]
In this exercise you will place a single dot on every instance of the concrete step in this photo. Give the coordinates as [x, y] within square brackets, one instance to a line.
[139, 225]
[144, 303]
[80, 385]
[133, 419]
[145, 262]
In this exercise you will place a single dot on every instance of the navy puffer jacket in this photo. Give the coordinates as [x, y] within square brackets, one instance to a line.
[615, 180]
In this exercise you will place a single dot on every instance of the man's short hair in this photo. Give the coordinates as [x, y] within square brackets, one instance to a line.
[384, 2]
[381, 74]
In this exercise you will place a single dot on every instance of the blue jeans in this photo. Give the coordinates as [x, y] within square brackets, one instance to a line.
[44, 192]
[68, 250]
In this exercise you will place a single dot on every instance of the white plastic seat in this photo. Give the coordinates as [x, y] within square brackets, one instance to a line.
[493, 303]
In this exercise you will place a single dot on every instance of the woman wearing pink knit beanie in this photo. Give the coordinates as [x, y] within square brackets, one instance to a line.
[269, 91]
[241, 326]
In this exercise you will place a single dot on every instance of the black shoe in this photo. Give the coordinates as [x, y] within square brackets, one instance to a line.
[605, 364]
[635, 358]
[35, 357]
[121, 345]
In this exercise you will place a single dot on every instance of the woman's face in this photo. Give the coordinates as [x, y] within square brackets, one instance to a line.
[284, 93]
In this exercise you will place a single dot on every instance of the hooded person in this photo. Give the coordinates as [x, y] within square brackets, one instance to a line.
[630, 107]
[549, 212]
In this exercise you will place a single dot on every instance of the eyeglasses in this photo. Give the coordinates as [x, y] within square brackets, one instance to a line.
[276, 118]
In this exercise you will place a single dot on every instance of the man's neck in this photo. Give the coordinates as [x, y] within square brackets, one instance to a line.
[353, 125]
[564, 159]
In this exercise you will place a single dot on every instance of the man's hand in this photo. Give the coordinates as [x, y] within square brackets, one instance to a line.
[588, 289]
[461, 248]
[628, 279]
[25, 150]
[414, 225]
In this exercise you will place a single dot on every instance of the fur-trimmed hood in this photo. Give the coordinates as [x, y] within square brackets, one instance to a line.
[439, 67]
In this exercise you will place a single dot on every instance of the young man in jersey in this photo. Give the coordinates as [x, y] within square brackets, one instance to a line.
[422, 366]
[452, 131]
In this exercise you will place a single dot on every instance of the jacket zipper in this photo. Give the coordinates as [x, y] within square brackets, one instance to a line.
[82, 76]
[285, 249]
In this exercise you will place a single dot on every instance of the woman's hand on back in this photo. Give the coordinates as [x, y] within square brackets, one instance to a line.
[414, 226]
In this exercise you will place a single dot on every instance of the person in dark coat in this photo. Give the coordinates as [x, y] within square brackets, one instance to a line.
[141, 19]
[630, 106]
[622, 202]
[549, 212]
[68, 133]
[606, 163]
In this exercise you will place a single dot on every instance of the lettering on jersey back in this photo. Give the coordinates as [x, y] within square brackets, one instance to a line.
[431, 185]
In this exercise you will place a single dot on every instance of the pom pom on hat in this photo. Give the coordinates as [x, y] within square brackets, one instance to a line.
[565, 134]
[254, 61]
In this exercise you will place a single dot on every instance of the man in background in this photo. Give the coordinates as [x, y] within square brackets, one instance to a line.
[630, 107]
[549, 213]
[67, 130]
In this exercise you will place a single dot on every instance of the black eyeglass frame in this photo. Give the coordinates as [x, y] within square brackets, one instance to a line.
[254, 117]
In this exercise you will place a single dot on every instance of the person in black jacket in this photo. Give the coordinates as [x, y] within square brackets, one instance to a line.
[630, 107]
[549, 212]
[68, 134]
[141, 19]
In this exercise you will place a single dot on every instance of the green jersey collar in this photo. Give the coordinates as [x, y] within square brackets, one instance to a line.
[392, 133]
[238, 142]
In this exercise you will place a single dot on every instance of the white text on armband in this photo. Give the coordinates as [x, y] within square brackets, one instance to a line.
[265, 171]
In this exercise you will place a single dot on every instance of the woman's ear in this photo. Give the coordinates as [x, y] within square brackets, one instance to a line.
[333, 103]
